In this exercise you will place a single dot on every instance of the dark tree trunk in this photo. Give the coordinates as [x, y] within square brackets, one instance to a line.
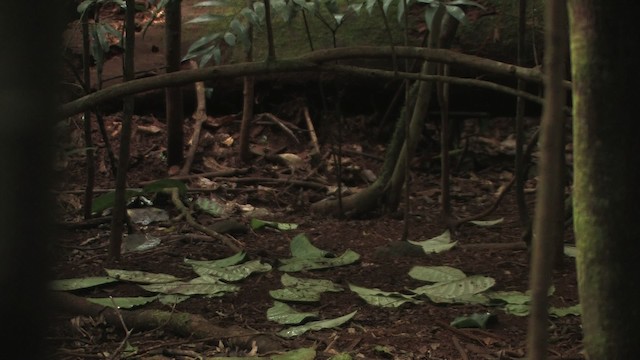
[119, 207]
[606, 191]
[30, 42]
[173, 95]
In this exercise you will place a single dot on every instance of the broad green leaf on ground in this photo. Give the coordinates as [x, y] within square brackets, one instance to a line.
[510, 297]
[80, 283]
[300, 264]
[570, 251]
[162, 184]
[257, 224]
[320, 284]
[303, 290]
[204, 285]
[517, 309]
[172, 299]
[107, 200]
[436, 274]
[140, 276]
[458, 290]
[377, 297]
[301, 247]
[341, 356]
[285, 314]
[385, 350]
[210, 206]
[437, 244]
[122, 302]
[297, 354]
[315, 325]
[233, 272]
[475, 320]
[487, 222]
[560, 312]
[231, 260]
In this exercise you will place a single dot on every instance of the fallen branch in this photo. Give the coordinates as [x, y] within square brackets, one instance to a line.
[179, 323]
[309, 62]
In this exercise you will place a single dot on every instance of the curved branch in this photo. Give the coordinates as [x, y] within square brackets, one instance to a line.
[308, 62]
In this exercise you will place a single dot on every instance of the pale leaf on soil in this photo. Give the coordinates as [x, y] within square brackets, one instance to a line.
[303, 290]
[80, 283]
[564, 311]
[315, 325]
[204, 285]
[458, 289]
[233, 272]
[297, 354]
[285, 314]
[487, 222]
[300, 264]
[122, 302]
[228, 261]
[140, 276]
[377, 297]
[437, 244]
[436, 274]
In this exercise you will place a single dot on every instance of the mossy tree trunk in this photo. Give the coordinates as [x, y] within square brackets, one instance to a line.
[606, 186]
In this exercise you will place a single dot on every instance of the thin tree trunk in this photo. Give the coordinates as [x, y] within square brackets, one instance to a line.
[519, 171]
[606, 197]
[549, 220]
[248, 94]
[119, 207]
[88, 141]
[173, 95]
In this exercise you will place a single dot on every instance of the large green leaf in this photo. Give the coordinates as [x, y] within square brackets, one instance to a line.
[234, 272]
[107, 200]
[123, 302]
[80, 283]
[204, 285]
[297, 354]
[437, 244]
[301, 247]
[286, 315]
[228, 261]
[140, 276]
[162, 184]
[301, 264]
[377, 297]
[315, 325]
[436, 273]
[457, 291]
[303, 290]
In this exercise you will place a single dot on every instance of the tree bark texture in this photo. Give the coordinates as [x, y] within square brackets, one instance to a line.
[548, 229]
[607, 176]
[120, 204]
[173, 95]
[30, 42]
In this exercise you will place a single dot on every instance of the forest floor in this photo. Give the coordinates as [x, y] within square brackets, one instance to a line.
[265, 189]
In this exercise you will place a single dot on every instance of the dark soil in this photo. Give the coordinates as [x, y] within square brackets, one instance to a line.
[409, 332]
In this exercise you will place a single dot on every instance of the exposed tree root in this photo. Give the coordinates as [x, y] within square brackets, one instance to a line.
[182, 324]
